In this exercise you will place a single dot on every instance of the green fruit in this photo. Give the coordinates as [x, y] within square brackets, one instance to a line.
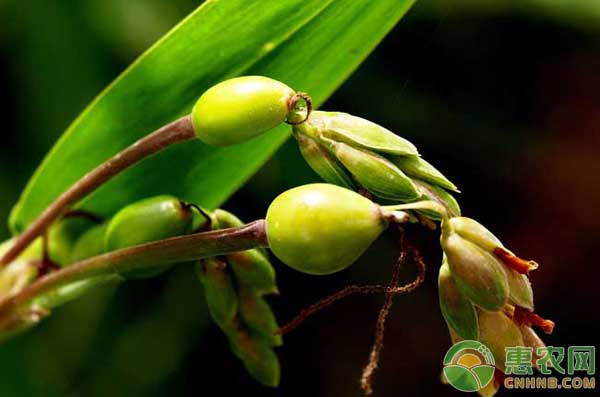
[321, 228]
[457, 310]
[145, 221]
[91, 243]
[241, 108]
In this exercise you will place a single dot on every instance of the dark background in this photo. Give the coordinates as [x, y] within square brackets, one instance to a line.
[503, 96]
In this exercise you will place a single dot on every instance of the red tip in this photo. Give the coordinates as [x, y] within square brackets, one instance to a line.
[524, 316]
[514, 262]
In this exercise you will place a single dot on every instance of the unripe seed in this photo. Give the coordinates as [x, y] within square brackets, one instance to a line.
[90, 244]
[219, 290]
[259, 317]
[239, 109]
[62, 237]
[321, 228]
[356, 132]
[375, 173]
[478, 274]
[145, 221]
[457, 310]
[323, 163]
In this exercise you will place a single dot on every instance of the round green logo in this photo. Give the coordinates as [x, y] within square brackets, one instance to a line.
[469, 365]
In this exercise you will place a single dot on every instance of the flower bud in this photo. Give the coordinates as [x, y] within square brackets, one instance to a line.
[497, 331]
[259, 317]
[457, 310]
[219, 290]
[478, 274]
[375, 173]
[418, 168]
[321, 228]
[145, 221]
[257, 355]
[520, 292]
[438, 195]
[241, 108]
[356, 132]
[253, 270]
[323, 163]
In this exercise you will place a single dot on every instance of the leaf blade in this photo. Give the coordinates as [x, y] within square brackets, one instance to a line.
[311, 45]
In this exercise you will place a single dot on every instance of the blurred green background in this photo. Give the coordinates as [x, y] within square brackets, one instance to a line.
[502, 95]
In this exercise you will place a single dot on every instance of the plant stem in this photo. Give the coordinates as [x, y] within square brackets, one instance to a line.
[177, 131]
[173, 250]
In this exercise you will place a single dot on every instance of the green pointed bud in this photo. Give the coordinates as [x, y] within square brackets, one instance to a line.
[478, 274]
[148, 220]
[219, 290]
[90, 244]
[520, 291]
[355, 131]
[457, 310]
[375, 173]
[421, 169]
[475, 232]
[253, 270]
[241, 108]
[321, 228]
[323, 163]
[440, 196]
[497, 331]
[259, 317]
[257, 354]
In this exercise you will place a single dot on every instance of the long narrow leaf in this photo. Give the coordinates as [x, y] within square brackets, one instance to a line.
[312, 45]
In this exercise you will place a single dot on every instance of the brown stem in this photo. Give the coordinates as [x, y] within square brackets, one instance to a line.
[173, 250]
[177, 131]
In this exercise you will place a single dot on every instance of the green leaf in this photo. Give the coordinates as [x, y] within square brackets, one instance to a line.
[311, 45]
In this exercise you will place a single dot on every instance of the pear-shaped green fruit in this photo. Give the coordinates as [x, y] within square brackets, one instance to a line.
[241, 108]
[321, 228]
